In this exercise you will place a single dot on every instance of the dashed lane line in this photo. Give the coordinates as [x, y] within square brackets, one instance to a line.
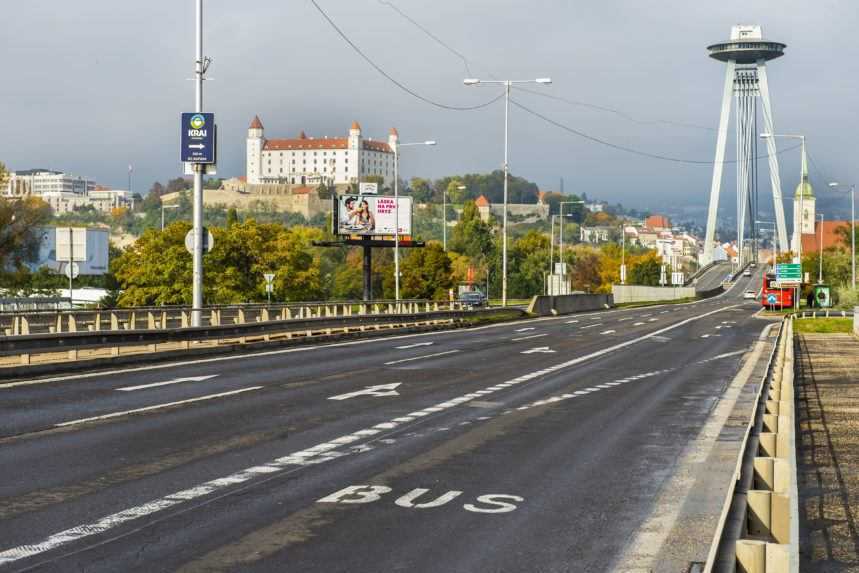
[528, 337]
[592, 325]
[422, 357]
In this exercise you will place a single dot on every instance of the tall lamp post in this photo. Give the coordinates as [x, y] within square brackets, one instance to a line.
[852, 228]
[163, 206]
[820, 251]
[397, 211]
[798, 256]
[507, 84]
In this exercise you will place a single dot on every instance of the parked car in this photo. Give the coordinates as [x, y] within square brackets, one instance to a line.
[473, 299]
[750, 294]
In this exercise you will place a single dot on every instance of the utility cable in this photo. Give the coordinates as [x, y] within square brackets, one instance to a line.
[391, 78]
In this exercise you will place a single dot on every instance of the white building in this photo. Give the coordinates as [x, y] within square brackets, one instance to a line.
[311, 161]
[41, 181]
[804, 196]
[105, 200]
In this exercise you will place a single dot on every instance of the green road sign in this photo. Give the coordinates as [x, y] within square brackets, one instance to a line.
[788, 272]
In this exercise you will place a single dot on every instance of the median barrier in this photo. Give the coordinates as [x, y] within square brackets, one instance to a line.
[545, 305]
[760, 532]
[639, 293]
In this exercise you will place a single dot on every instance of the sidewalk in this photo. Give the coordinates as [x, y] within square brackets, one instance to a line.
[827, 394]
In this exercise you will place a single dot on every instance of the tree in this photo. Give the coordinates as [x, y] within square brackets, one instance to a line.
[3, 172]
[528, 264]
[426, 273]
[646, 270]
[324, 191]
[422, 192]
[471, 236]
[232, 217]
[19, 233]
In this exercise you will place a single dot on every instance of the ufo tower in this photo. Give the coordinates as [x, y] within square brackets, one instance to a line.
[745, 56]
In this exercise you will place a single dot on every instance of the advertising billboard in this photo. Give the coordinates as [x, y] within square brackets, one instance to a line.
[372, 215]
[89, 248]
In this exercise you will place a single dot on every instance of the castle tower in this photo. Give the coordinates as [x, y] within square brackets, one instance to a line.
[255, 144]
[355, 145]
[745, 56]
[803, 207]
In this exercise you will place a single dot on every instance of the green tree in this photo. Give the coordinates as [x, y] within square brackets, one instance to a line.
[232, 217]
[19, 232]
[426, 273]
[421, 189]
[528, 264]
[471, 236]
[646, 270]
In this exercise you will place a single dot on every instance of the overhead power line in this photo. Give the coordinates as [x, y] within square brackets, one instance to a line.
[632, 150]
[393, 80]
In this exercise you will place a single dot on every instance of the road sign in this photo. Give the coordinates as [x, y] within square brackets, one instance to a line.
[72, 269]
[788, 273]
[198, 138]
[368, 188]
[379, 390]
[208, 241]
[772, 299]
[269, 277]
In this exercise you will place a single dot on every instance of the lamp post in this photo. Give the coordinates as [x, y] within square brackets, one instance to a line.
[820, 251]
[507, 84]
[798, 256]
[397, 212]
[163, 206]
[622, 254]
[852, 228]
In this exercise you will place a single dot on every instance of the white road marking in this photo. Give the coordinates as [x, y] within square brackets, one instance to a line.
[705, 336]
[318, 454]
[651, 320]
[571, 321]
[379, 390]
[392, 362]
[592, 325]
[720, 356]
[638, 324]
[414, 345]
[608, 332]
[174, 381]
[528, 337]
[156, 407]
[539, 350]
[622, 319]
[525, 329]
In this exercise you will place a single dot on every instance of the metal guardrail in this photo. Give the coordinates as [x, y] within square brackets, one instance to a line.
[169, 317]
[25, 346]
[825, 313]
[761, 531]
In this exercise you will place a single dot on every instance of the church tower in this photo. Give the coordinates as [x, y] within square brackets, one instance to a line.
[803, 207]
[355, 153]
[255, 144]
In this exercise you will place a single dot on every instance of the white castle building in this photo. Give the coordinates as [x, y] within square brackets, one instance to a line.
[311, 161]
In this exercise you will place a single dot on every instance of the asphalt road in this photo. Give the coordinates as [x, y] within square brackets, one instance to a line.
[540, 445]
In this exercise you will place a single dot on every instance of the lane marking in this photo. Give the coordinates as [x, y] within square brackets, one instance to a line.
[571, 322]
[317, 454]
[608, 332]
[651, 320]
[174, 381]
[379, 390]
[414, 345]
[638, 324]
[539, 350]
[528, 337]
[156, 407]
[392, 362]
[720, 356]
[592, 325]
[627, 318]
[525, 329]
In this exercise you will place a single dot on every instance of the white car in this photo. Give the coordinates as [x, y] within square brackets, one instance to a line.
[747, 273]
[750, 294]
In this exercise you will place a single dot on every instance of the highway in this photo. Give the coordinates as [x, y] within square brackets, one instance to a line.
[576, 443]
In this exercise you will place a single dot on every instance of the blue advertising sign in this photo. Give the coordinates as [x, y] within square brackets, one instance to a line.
[198, 138]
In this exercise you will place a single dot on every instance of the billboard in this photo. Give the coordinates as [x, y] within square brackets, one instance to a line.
[89, 247]
[372, 215]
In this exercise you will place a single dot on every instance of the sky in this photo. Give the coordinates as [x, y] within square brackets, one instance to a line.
[92, 86]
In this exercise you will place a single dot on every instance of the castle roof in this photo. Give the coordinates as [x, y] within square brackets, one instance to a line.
[356, 125]
[394, 132]
[482, 201]
[256, 123]
[324, 143]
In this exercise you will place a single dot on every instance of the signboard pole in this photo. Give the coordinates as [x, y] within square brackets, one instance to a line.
[197, 302]
[368, 271]
[397, 223]
[71, 265]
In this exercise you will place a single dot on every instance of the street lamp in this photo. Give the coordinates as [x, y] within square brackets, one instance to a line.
[820, 251]
[852, 227]
[163, 206]
[798, 257]
[397, 211]
[507, 84]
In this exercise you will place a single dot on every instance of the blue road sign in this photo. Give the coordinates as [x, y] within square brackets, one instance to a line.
[771, 299]
[198, 138]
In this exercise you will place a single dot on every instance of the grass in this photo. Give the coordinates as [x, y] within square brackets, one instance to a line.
[823, 325]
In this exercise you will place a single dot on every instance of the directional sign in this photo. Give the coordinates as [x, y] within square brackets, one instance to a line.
[772, 299]
[379, 390]
[198, 138]
[368, 188]
[539, 350]
[788, 273]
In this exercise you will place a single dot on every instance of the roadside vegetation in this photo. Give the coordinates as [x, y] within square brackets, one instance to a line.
[823, 325]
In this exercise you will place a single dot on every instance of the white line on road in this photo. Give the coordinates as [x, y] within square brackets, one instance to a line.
[592, 325]
[638, 324]
[622, 319]
[414, 345]
[156, 407]
[392, 362]
[608, 332]
[174, 381]
[318, 454]
[525, 329]
[528, 337]
[572, 321]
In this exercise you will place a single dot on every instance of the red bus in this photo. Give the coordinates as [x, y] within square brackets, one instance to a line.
[771, 296]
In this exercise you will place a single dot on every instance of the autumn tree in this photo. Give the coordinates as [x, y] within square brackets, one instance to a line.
[471, 236]
[19, 232]
[426, 273]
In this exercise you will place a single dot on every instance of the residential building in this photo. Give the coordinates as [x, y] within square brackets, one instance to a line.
[527, 212]
[657, 222]
[310, 161]
[595, 235]
[41, 181]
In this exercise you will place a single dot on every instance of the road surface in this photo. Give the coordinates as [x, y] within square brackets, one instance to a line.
[573, 443]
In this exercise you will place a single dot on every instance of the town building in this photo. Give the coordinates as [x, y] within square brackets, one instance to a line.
[41, 181]
[829, 232]
[594, 235]
[310, 161]
[523, 212]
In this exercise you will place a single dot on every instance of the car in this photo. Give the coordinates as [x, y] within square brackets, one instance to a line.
[747, 273]
[750, 294]
[474, 299]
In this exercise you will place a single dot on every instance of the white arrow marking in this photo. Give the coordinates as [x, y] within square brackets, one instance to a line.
[174, 381]
[379, 390]
[525, 329]
[540, 350]
[198, 146]
[415, 345]
[608, 332]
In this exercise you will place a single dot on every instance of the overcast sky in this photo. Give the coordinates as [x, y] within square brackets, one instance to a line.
[92, 85]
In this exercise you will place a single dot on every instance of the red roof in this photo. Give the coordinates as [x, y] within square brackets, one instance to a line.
[356, 125]
[394, 132]
[287, 144]
[377, 146]
[482, 201]
[657, 222]
[831, 237]
[243, 179]
[256, 123]
[302, 190]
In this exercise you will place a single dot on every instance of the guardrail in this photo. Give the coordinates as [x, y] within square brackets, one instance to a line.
[72, 344]
[825, 313]
[170, 317]
[761, 531]
[700, 272]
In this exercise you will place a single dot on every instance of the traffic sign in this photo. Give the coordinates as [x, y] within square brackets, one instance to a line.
[788, 273]
[208, 241]
[269, 277]
[198, 138]
[72, 269]
[368, 188]
[771, 299]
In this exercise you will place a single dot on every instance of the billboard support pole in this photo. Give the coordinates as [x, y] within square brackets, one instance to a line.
[197, 287]
[71, 266]
[368, 271]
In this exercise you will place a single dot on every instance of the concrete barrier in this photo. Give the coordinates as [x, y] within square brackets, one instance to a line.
[544, 305]
[638, 293]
